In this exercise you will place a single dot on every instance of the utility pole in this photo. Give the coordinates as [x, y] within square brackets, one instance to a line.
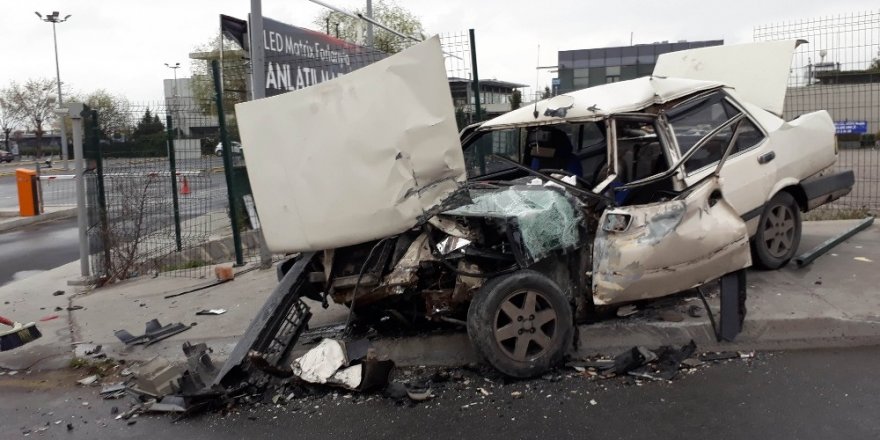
[370, 25]
[53, 18]
[258, 82]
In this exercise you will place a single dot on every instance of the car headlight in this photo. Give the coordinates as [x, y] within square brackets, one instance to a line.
[616, 222]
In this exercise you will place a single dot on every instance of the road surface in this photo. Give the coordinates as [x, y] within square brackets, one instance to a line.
[827, 394]
[35, 248]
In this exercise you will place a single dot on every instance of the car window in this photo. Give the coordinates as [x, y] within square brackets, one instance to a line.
[693, 121]
[749, 135]
[477, 155]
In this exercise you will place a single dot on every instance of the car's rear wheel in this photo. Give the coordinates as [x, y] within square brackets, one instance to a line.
[521, 323]
[779, 232]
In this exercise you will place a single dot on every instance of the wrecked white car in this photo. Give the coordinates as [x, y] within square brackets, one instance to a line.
[519, 226]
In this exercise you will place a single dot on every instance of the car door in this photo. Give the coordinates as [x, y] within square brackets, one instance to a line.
[651, 250]
[749, 174]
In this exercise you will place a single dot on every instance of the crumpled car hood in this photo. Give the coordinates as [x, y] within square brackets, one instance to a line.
[353, 159]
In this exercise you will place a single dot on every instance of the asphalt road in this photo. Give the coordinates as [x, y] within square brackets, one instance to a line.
[35, 248]
[804, 395]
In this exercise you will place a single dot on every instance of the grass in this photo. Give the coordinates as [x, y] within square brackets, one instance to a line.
[192, 264]
[837, 214]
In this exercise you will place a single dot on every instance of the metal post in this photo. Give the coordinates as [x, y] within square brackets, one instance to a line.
[478, 113]
[227, 165]
[369, 25]
[102, 195]
[81, 214]
[172, 165]
[60, 101]
[258, 59]
[258, 84]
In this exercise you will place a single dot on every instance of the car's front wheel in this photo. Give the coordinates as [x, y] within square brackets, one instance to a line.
[521, 323]
[779, 232]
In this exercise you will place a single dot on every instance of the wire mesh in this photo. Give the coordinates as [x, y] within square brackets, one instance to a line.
[132, 187]
[838, 70]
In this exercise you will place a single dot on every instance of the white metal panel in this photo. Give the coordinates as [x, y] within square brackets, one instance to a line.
[356, 158]
[600, 101]
[758, 71]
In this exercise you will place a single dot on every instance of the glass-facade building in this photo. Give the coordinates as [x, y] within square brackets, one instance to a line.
[584, 68]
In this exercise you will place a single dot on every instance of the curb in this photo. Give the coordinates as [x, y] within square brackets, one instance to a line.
[26, 221]
[609, 339]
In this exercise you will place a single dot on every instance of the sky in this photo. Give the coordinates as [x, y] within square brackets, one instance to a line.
[122, 45]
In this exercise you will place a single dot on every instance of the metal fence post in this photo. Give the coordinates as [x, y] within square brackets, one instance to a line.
[227, 165]
[478, 114]
[172, 165]
[102, 194]
[81, 214]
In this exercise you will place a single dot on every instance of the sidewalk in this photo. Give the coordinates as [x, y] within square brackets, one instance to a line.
[833, 302]
[9, 218]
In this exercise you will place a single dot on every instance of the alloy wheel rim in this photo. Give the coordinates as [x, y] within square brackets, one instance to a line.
[779, 229]
[525, 325]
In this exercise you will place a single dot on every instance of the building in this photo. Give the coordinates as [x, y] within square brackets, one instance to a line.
[582, 68]
[495, 97]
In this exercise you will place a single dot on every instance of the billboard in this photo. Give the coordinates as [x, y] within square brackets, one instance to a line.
[297, 58]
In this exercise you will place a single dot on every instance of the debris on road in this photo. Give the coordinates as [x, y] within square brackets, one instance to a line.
[157, 377]
[627, 310]
[58, 293]
[211, 312]
[154, 332]
[86, 381]
[86, 350]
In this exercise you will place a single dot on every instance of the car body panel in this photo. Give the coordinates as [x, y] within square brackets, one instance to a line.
[757, 71]
[668, 247]
[357, 158]
[601, 101]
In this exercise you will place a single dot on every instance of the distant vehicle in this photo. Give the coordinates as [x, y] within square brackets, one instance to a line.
[6, 156]
[236, 148]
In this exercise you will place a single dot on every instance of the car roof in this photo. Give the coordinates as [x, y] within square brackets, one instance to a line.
[601, 101]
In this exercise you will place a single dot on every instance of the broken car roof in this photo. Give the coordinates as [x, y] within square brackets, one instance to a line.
[676, 75]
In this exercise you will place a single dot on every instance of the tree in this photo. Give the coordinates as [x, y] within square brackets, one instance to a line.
[114, 112]
[34, 102]
[515, 100]
[9, 119]
[234, 70]
[354, 30]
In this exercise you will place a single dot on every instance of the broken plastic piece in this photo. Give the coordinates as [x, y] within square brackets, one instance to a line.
[154, 332]
[211, 312]
[86, 381]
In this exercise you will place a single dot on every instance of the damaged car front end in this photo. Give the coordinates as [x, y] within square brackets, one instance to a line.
[516, 229]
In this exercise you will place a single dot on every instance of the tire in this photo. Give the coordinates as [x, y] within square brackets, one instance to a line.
[779, 232]
[501, 323]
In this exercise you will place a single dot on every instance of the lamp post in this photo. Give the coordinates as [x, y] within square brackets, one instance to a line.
[54, 19]
[174, 95]
[174, 67]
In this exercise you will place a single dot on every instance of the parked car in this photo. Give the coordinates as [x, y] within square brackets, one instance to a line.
[6, 156]
[236, 148]
[618, 193]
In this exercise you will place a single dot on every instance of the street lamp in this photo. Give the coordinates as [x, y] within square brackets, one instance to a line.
[54, 18]
[174, 67]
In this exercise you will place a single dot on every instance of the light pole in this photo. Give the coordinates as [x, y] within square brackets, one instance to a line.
[54, 18]
[174, 67]
[174, 95]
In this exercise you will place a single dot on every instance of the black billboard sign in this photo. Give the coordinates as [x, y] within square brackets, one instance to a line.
[297, 57]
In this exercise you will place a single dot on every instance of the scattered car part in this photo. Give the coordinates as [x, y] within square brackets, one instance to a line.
[153, 332]
[211, 312]
[157, 377]
[276, 328]
[808, 257]
[88, 380]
